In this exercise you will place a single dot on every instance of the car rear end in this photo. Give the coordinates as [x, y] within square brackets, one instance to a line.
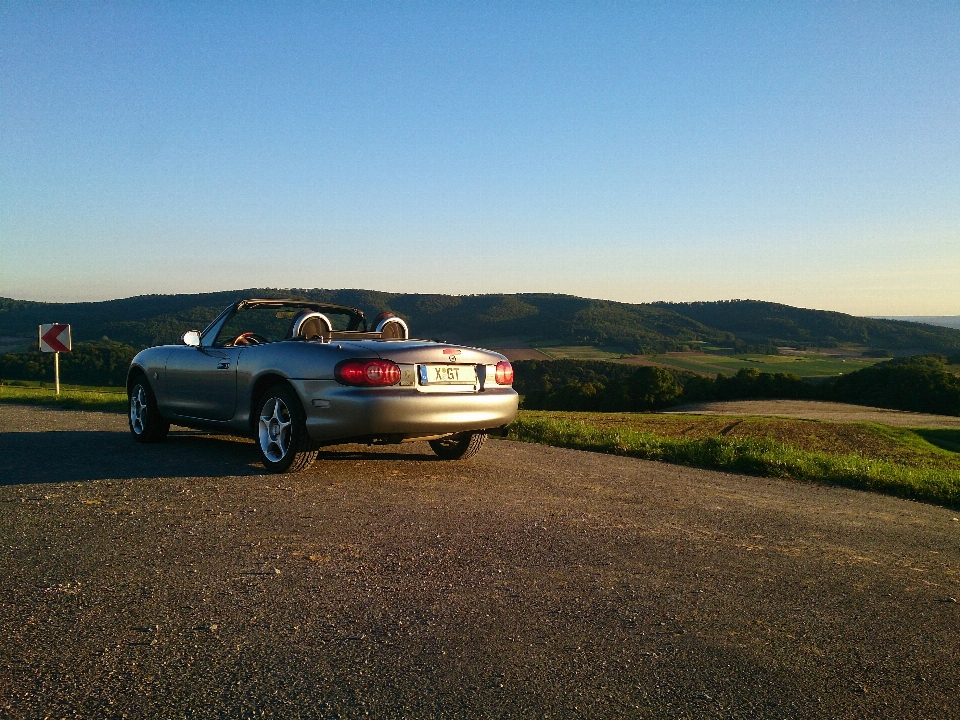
[392, 391]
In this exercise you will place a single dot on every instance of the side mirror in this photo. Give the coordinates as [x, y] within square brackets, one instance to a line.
[191, 338]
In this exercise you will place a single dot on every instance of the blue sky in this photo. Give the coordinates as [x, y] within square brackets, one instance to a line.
[806, 153]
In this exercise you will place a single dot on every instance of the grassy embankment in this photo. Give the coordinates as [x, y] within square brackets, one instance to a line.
[916, 464]
[72, 397]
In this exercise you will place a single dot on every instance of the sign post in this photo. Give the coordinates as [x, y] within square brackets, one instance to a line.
[55, 338]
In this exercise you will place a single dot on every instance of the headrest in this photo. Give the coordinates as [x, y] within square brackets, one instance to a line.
[391, 327]
[312, 326]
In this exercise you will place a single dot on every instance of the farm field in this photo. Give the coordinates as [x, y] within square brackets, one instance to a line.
[802, 365]
[580, 352]
[818, 410]
[517, 354]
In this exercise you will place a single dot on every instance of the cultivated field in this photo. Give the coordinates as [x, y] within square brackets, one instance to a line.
[818, 410]
[515, 354]
[809, 365]
[804, 364]
[581, 352]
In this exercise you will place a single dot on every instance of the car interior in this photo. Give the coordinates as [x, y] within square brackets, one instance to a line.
[258, 324]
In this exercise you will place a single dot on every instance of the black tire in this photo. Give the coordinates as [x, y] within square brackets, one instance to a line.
[460, 446]
[281, 431]
[146, 423]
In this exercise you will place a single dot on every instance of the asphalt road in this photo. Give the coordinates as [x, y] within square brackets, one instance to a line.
[177, 581]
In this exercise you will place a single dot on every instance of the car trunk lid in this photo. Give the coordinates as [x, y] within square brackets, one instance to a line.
[421, 352]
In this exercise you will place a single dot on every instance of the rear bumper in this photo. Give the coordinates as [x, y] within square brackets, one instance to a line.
[335, 411]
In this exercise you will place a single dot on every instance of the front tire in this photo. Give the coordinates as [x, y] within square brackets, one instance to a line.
[146, 423]
[282, 432]
[460, 446]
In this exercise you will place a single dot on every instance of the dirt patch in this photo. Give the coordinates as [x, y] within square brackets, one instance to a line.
[814, 410]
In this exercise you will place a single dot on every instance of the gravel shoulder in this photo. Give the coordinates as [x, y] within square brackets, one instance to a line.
[177, 580]
[816, 410]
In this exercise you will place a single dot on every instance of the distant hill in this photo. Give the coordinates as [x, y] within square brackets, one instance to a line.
[950, 321]
[504, 320]
[757, 321]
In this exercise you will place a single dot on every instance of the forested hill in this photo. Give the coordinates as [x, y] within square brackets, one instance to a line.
[505, 319]
[756, 321]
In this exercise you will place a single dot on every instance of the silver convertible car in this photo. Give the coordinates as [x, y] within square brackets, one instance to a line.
[297, 375]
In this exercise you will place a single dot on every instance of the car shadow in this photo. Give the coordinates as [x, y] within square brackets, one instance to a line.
[72, 456]
[81, 455]
[374, 455]
[946, 439]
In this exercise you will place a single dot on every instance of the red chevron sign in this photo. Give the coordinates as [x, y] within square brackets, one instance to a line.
[55, 338]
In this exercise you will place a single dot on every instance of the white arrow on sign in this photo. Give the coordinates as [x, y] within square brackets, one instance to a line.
[55, 338]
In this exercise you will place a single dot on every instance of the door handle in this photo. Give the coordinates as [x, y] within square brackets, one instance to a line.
[223, 366]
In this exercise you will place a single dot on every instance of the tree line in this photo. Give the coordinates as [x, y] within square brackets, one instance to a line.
[920, 383]
[103, 362]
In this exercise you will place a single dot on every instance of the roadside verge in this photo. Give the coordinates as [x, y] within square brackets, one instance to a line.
[931, 476]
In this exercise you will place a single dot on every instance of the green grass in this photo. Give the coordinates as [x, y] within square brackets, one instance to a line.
[894, 461]
[48, 385]
[803, 365]
[71, 397]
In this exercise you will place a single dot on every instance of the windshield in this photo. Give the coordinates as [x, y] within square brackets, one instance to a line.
[266, 324]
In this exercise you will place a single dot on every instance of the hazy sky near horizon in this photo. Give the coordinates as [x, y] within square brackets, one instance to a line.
[805, 153]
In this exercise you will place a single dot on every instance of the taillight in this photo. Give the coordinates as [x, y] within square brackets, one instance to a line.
[504, 373]
[368, 373]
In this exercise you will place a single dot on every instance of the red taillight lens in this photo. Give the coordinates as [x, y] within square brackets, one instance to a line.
[504, 374]
[370, 373]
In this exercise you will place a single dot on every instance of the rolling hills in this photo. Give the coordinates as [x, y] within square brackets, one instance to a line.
[509, 320]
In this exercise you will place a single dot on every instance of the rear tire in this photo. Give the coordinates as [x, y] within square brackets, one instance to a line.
[460, 446]
[146, 423]
[282, 438]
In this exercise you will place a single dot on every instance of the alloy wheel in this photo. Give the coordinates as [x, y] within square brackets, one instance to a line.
[275, 429]
[138, 410]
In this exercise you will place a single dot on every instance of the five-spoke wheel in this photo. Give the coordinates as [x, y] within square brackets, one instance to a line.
[282, 433]
[275, 435]
[146, 423]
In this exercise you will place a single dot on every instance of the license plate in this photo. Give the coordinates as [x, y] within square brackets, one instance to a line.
[448, 374]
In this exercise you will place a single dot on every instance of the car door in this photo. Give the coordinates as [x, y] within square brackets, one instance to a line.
[201, 382]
